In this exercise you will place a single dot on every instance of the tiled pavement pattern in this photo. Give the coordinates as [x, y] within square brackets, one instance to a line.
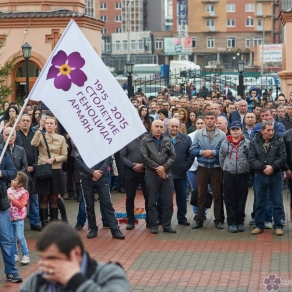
[191, 260]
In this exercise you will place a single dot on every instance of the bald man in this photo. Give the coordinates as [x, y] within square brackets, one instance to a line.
[182, 163]
[158, 156]
[222, 124]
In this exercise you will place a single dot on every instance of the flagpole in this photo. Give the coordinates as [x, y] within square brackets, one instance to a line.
[13, 128]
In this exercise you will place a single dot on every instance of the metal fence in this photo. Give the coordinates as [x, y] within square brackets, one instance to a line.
[151, 86]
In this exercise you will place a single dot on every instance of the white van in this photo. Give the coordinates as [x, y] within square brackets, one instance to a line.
[183, 72]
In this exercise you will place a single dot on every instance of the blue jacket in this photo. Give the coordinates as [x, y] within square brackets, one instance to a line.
[201, 142]
[8, 171]
[279, 129]
[183, 158]
[235, 116]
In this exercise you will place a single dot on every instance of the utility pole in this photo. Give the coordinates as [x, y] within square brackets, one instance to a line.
[129, 29]
[263, 47]
[183, 23]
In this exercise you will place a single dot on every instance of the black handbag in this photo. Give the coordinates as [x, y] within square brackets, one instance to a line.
[194, 199]
[44, 171]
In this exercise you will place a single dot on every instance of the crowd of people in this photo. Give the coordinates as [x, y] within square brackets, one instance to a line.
[205, 147]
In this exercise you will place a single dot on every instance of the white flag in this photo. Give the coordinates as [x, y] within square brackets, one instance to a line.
[86, 98]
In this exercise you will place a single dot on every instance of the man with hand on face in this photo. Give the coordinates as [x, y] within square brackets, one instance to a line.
[181, 165]
[65, 266]
[205, 147]
[158, 155]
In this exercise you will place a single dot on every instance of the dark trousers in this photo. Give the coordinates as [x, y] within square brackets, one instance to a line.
[273, 183]
[180, 186]
[70, 174]
[102, 188]
[164, 187]
[235, 190]
[204, 175]
[132, 178]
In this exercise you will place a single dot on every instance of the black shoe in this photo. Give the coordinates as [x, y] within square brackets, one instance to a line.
[92, 233]
[121, 190]
[219, 226]
[78, 227]
[169, 230]
[147, 225]
[105, 225]
[118, 234]
[114, 189]
[197, 225]
[15, 278]
[159, 222]
[36, 228]
[196, 218]
[154, 230]
[185, 223]
[130, 226]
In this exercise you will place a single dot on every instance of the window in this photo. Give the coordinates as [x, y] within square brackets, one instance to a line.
[210, 8]
[230, 8]
[231, 42]
[119, 5]
[118, 18]
[118, 45]
[260, 24]
[90, 8]
[249, 22]
[210, 43]
[118, 30]
[133, 45]
[210, 22]
[107, 47]
[259, 9]
[103, 18]
[230, 22]
[140, 44]
[194, 42]
[102, 6]
[249, 7]
[158, 44]
[257, 40]
[104, 31]
[125, 45]
[247, 42]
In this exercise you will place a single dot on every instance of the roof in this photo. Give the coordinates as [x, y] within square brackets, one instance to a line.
[42, 14]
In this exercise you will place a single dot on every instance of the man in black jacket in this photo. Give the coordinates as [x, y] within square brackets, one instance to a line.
[134, 174]
[96, 178]
[183, 162]
[267, 157]
[158, 156]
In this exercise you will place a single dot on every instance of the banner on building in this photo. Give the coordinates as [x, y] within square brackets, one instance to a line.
[271, 53]
[177, 46]
[86, 98]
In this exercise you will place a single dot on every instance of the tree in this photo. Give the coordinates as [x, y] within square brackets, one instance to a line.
[5, 71]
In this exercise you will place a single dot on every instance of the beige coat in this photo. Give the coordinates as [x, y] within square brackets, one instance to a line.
[57, 146]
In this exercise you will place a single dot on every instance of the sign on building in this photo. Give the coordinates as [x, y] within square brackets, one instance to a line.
[177, 46]
[271, 53]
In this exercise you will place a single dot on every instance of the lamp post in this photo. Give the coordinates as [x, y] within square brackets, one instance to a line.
[240, 68]
[26, 51]
[129, 28]
[263, 47]
[129, 67]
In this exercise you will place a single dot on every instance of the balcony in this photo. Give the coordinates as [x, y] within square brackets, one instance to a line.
[209, 1]
[210, 16]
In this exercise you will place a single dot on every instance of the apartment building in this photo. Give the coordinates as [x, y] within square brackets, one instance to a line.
[228, 30]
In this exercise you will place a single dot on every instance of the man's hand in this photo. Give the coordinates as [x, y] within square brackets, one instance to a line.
[97, 174]
[208, 153]
[60, 271]
[163, 176]
[42, 124]
[268, 170]
[160, 170]
[139, 167]
[289, 174]
[30, 169]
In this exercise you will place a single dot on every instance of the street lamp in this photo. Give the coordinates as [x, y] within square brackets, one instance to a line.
[26, 51]
[240, 68]
[129, 68]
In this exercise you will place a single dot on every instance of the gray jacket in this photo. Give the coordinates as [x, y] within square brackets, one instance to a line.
[234, 160]
[99, 277]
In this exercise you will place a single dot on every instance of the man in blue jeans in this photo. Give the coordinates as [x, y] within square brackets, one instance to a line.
[267, 157]
[181, 165]
[7, 173]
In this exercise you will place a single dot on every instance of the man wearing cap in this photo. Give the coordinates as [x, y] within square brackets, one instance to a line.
[233, 158]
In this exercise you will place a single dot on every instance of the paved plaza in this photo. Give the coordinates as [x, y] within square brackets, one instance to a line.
[206, 259]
